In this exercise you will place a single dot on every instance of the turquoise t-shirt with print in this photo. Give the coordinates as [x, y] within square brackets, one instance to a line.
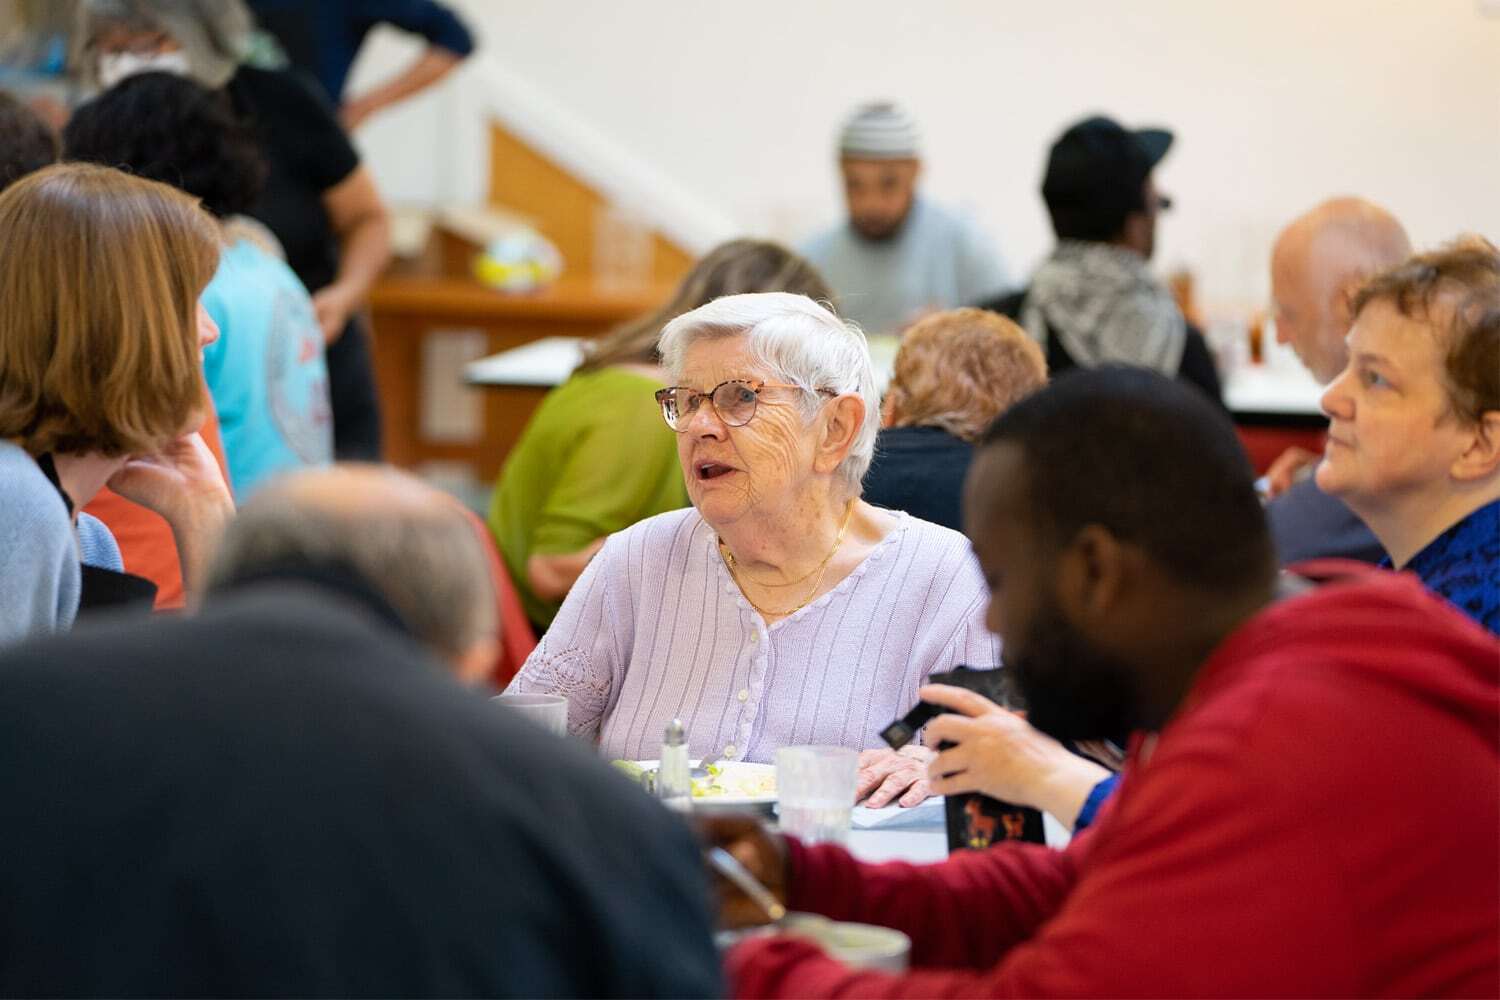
[266, 371]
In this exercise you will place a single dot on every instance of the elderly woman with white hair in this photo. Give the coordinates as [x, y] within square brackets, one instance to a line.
[780, 609]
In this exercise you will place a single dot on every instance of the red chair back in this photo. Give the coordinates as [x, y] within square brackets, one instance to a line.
[517, 639]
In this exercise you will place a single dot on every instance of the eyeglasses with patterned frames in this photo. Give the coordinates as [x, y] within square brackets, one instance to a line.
[734, 401]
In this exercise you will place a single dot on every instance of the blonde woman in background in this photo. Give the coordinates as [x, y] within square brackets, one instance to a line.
[595, 457]
[955, 373]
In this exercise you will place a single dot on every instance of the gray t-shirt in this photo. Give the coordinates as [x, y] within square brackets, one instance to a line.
[938, 260]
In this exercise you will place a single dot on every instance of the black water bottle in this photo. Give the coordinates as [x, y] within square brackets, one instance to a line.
[976, 821]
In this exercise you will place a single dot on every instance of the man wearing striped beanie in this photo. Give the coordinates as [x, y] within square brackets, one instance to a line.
[898, 256]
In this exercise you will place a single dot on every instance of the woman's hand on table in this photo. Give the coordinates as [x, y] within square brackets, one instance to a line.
[1000, 754]
[887, 776]
[753, 845]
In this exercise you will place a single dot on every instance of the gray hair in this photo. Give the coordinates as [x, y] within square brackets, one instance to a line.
[215, 35]
[414, 546]
[800, 342]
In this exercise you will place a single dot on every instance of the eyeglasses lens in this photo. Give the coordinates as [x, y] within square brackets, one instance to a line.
[735, 403]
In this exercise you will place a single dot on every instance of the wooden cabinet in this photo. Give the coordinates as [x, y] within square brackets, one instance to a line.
[406, 309]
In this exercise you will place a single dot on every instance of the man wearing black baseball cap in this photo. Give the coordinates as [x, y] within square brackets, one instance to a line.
[1094, 300]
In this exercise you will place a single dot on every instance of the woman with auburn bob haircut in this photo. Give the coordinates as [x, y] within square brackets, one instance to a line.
[101, 383]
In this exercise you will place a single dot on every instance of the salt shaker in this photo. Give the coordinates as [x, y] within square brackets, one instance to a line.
[674, 783]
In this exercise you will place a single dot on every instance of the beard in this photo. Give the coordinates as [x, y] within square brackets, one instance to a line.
[1073, 690]
[877, 229]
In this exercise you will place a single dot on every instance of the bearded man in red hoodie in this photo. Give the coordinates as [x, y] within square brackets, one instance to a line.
[1311, 803]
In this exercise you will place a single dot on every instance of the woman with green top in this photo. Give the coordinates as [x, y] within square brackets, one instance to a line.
[595, 457]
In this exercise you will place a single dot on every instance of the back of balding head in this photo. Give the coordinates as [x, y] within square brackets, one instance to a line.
[411, 544]
[1345, 240]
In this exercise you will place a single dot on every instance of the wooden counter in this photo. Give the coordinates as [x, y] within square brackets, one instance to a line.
[405, 309]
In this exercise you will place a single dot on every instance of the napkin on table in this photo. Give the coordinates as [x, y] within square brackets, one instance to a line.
[893, 817]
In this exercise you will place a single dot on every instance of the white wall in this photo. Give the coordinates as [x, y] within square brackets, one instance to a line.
[1276, 104]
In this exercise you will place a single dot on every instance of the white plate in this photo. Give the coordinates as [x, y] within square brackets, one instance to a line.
[738, 780]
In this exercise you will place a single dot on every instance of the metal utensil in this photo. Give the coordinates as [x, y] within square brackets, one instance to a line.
[728, 865]
[701, 771]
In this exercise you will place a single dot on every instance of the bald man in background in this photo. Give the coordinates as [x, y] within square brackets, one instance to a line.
[1319, 260]
[400, 550]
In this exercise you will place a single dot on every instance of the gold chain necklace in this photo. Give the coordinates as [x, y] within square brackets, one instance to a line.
[821, 569]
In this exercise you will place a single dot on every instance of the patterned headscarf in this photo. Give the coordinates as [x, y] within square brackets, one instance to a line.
[1104, 305]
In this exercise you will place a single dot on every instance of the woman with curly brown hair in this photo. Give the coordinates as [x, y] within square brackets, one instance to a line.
[955, 373]
[1414, 421]
[100, 383]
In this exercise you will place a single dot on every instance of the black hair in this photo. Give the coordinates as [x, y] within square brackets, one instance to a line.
[1099, 221]
[1096, 179]
[167, 128]
[1150, 459]
[27, 143]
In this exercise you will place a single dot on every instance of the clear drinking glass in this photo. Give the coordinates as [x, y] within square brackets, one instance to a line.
[815, 792]
[550, 711]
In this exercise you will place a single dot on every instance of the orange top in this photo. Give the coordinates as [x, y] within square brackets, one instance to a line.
[145, 540]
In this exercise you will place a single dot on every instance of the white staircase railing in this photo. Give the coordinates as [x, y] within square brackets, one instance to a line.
[619, 175]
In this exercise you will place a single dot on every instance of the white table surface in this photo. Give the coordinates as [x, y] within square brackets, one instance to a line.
[927, 840]
[548, 362]
[1282, 389]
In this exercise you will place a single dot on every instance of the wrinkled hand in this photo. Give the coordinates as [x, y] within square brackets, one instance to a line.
[177, 482]
[333, 305]
[1284, 471]
[757, 848]
[886, 774]
[1000, 754]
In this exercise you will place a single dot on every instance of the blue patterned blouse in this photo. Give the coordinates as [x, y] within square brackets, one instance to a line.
[1463, 565]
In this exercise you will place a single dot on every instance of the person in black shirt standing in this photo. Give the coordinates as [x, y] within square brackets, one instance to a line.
[1094, 301]
[319, 201]
[323, 39]
[323, 206]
